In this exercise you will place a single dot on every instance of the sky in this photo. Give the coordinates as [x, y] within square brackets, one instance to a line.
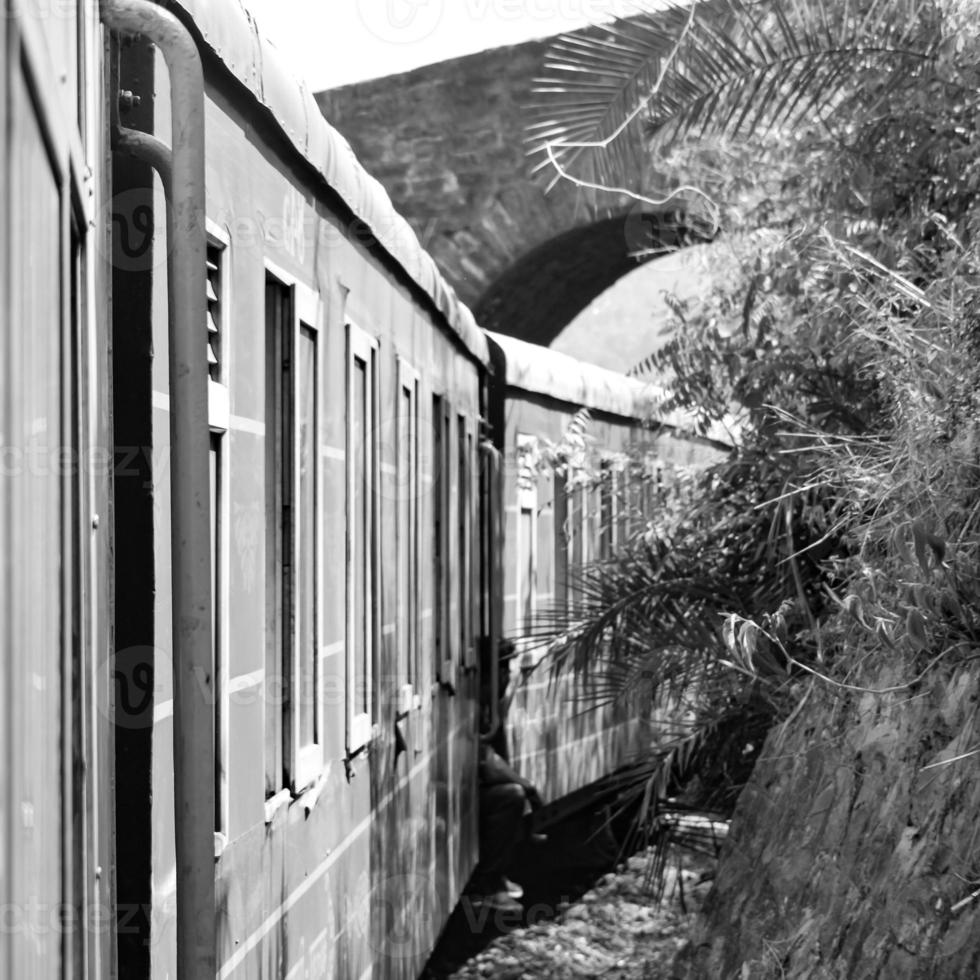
[336, 42]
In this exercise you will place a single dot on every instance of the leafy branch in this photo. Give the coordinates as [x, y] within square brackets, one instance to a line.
[726, 68]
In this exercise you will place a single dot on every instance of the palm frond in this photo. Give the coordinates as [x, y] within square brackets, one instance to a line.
[731, 68]
[595, 80]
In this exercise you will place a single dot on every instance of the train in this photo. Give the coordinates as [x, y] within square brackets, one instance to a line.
[270, 501]
[581, 476]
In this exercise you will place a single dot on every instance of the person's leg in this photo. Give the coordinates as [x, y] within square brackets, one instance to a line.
[501, 814]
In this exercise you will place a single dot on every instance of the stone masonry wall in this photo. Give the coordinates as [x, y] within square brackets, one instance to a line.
[854, 851]
[448, 142]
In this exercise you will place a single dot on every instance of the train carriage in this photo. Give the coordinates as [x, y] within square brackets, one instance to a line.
[344, 387]
[55, 517]
[256, 541]
[583, 450]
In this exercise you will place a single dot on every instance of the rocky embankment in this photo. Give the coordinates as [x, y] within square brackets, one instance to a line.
[854, 855]
[618, 930]
[855, 849]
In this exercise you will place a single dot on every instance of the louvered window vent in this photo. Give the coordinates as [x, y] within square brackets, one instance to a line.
[214, 311]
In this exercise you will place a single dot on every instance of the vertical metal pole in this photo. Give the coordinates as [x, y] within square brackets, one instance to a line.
[190, 488]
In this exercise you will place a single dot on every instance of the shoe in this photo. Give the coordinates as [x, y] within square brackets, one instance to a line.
[512, 888]
[500, 902]
[537, 838]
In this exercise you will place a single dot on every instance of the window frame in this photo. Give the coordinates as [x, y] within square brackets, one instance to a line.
[307, 758]
[410, 685]
[464, 544]
[302, 763]
[442, 480]
[274, 734]
[77, 692]
[580, 522]
[218, 425]
[606, 509]
[559, 512]
[474, 527]
[612, 506]
[527, 503]
[359, 725]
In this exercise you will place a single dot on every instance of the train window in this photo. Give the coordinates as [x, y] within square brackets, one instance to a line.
[527, 505]
[294, 742]
[633, 518]
[587, 515]
[363, 539]
[593, 521]
[617, 516]
[653, 479]
[218, 423]
[561, 526]
[441, 478]
[215, 310]
[475, 605]
[217, 633]
[305, 721]
[640, 488]
[606, 508]
[463, 539]
[573, 524]
[612, 505]
[278, 318]
[578, 521]
[649, 487]
[407, 489]
[438, 492]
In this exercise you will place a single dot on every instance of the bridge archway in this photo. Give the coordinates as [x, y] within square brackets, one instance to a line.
[448, 143]
[543, 291]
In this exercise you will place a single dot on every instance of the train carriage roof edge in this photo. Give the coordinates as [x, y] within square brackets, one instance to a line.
[543, 371]
[229, 31]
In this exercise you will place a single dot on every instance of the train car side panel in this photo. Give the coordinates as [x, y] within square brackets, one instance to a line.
[334, 762]
[581, 453]
[36, 590]
[54, 812]
[561, 737]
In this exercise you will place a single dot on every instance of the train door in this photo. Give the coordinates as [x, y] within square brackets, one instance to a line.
[471, 643]
[53, 693]
[490, 617]
[138, 268]
[441, 815]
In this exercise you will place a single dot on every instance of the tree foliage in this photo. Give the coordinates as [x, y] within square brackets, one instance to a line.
[838, 144]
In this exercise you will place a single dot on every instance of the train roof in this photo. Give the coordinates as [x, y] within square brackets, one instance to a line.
[542, 371]
[228, 29]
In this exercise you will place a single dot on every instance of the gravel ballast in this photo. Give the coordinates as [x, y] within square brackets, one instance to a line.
[619, 929]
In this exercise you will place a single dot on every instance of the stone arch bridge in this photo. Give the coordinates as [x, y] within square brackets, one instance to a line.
[448, 143]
